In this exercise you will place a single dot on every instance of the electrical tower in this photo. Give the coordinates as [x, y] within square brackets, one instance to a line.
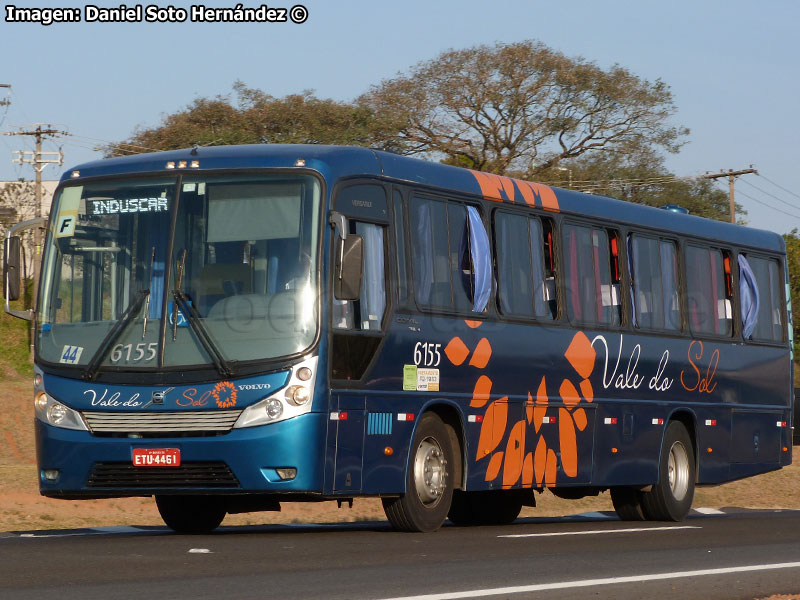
[731, 175]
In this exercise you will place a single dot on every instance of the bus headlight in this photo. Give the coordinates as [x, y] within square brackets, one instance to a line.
[286, 403]
[52, 412]
[298, 395]
[274, 409]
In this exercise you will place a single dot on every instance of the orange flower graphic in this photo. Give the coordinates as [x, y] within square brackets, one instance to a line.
[225, 394]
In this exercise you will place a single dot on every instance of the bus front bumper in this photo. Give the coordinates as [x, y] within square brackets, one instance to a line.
[249, 460]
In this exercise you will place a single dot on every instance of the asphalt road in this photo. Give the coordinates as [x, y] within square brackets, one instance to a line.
[750, 554]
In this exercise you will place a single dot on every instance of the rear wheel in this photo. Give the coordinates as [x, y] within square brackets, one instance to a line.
[627, 503]
[671, 498]
[429, 489]
[191, 514]
[485, 508]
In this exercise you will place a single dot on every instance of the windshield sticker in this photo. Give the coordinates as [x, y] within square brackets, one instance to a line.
[182, 322]
[68, 212]
[71, 355]
[128, 205]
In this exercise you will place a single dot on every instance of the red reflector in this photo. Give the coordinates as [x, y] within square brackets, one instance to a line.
[781, 423]
[479, 418]
[343, 416]
[610, 421]
[711, 422]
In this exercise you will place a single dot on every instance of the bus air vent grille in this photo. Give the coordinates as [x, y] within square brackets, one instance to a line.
[188, 475]
[219, 421]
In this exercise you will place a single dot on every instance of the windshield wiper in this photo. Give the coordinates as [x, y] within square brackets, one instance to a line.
[129, 314]
[182, 302]
[182, 305]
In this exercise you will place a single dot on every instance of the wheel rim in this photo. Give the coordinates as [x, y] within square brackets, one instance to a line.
[678, 470]
[430, 473]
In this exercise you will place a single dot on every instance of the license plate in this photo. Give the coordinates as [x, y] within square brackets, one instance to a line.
[156, 457]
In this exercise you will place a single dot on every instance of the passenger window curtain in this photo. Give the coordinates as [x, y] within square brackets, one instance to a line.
[373, 293]
[423, 265]
[481, 260]
[748, 291]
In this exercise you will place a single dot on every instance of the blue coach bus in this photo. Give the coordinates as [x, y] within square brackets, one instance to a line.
[226, 329]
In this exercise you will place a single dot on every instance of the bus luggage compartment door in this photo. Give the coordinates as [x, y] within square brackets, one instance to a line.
[756, 437]
[349, 443]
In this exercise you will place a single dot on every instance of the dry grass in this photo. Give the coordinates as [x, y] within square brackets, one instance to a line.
[22, 508]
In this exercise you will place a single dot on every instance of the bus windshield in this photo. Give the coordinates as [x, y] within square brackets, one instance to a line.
[167, 272]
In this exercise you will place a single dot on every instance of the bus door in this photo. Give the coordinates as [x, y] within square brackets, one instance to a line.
[349, 434]
[358, 311]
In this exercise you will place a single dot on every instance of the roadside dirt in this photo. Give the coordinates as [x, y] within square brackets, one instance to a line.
[22, 508]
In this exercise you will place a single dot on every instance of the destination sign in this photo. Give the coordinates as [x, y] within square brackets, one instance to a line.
[127, 205]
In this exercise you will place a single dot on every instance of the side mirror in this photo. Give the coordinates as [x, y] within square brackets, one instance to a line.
[11, 269]
[349, 267]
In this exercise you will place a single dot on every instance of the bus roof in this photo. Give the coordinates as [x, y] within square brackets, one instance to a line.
[342, 161]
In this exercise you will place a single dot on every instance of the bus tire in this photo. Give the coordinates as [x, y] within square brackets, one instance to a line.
[484, 508]
[191, 514]
[429, 490]
[627, 503]
[671, 498]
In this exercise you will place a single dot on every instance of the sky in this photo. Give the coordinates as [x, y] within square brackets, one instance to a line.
[732, 66]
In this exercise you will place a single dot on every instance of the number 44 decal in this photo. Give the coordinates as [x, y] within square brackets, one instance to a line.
[71, 355]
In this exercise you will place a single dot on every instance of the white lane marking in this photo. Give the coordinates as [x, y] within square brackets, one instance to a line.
[561, 585]
[200, 551]
[599, 531]
[708, 511]
[91, 531]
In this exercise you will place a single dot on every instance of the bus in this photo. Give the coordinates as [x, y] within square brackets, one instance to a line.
[230, 328]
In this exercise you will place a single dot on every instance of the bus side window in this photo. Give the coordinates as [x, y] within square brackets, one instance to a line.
[592, 275]
[654, 281]
[526, 278]
[709, 291]
[400, 241]
[766, 298]
[449, 273]
[366, 313]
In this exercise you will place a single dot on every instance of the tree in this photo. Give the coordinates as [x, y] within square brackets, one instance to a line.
[254, 118]
[17, 204]
[641, 178]
[520, 107]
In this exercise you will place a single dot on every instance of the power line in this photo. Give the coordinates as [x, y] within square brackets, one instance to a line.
[780, 186]
[770, 195]
[775, 208]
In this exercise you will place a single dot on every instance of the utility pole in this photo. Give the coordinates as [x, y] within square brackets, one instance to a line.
[731, 175]
[5, 101]
[39, 160]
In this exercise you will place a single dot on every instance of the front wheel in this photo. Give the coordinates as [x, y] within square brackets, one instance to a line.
[191, 514]
[671, 498]
[429, 490]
